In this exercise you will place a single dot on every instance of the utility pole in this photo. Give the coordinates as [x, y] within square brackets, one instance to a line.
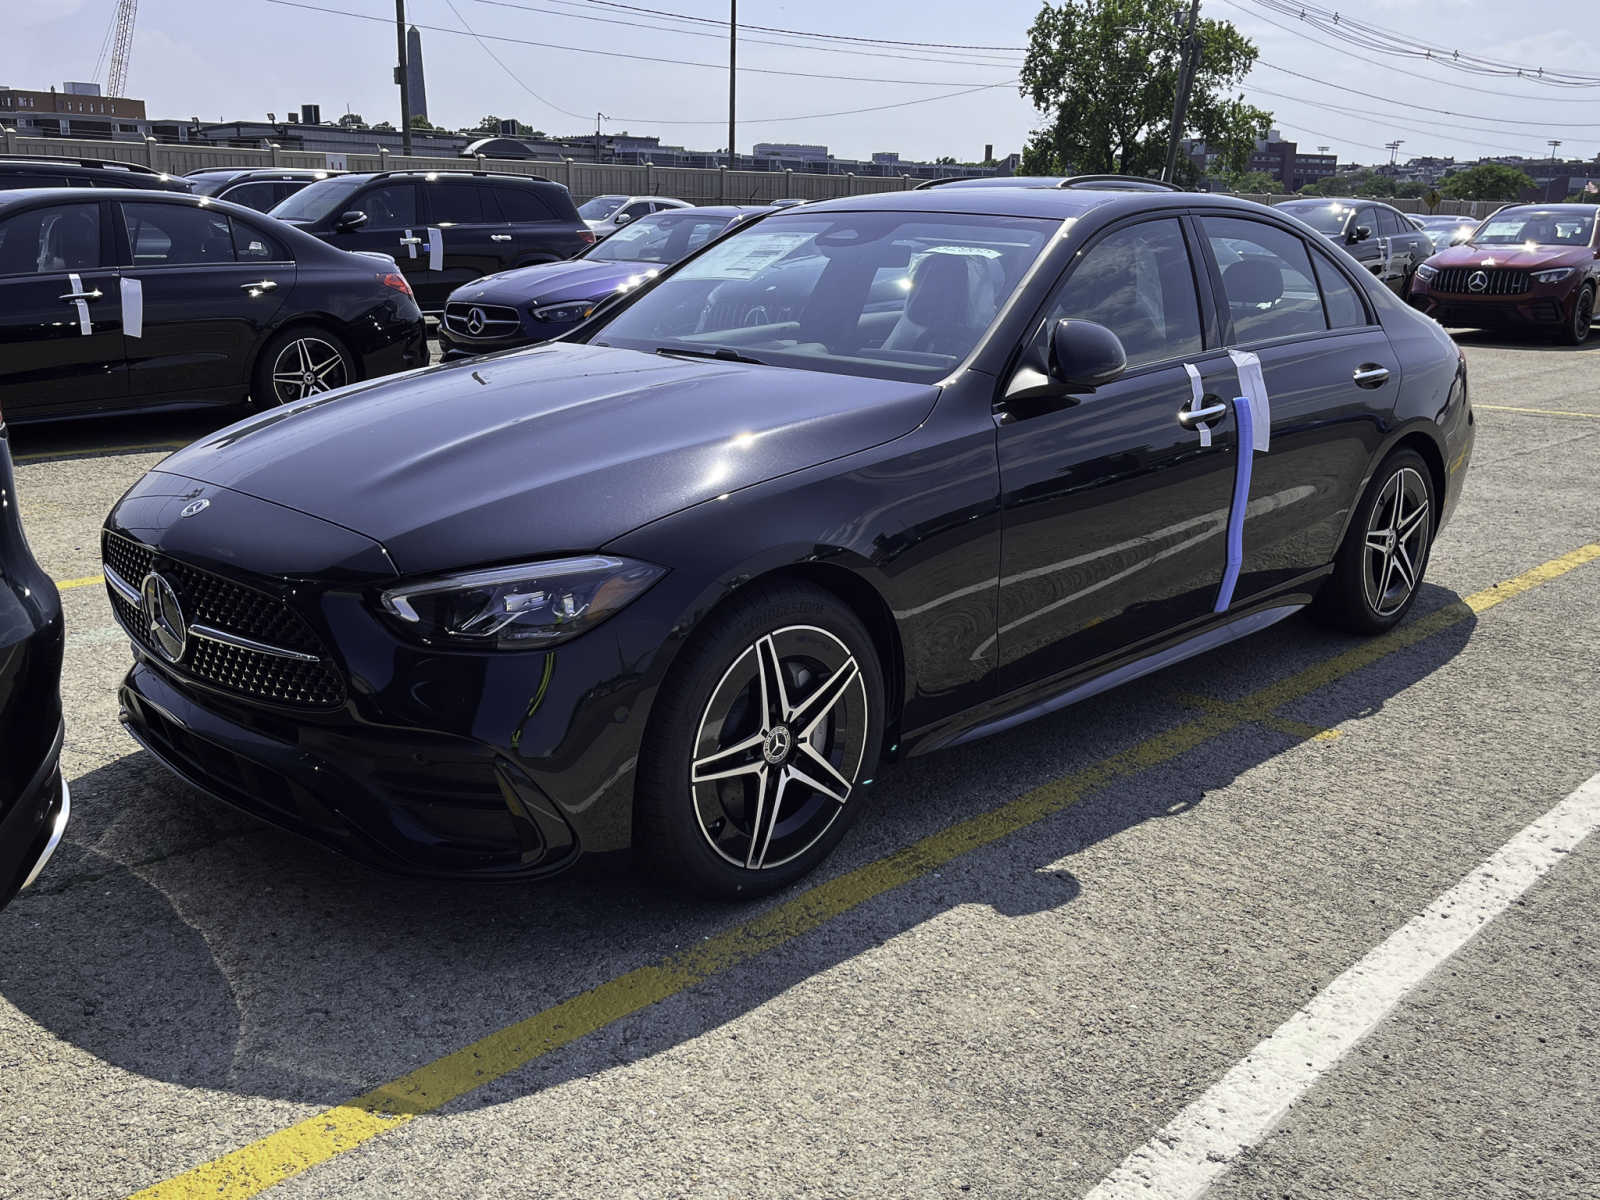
[597, 119]
[1186, 67]
[733, 78]
[401, 77]
[1554, 144]
[1393, 148]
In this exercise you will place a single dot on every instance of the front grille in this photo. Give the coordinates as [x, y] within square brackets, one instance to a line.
[1498, 281]
[229, 608]
[498, 320]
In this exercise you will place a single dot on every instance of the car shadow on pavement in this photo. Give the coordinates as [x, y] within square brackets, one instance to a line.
[1534, 340]
[181, 942]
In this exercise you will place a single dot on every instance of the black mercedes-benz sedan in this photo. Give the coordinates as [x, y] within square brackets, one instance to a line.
[121, 300]
[34, 801]
[866, 478]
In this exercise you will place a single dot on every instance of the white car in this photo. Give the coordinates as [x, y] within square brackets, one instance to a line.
[607, 214]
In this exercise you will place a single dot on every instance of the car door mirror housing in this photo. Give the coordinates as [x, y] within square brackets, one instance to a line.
[621, 219]
[1080, 356]
[1360, 233]
[347, 221]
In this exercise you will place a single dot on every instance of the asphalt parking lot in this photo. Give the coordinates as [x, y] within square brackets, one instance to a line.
[1036, 957]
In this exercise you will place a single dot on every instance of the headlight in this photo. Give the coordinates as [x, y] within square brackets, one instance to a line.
[520, 608]
[564, 313]
[1427, 273]
[1555, 276]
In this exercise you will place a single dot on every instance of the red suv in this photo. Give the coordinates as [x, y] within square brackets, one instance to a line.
[1532, 265]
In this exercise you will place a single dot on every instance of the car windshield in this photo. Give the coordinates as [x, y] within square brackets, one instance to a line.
[600, 207]
[1537, 227]
[893, 295]
[318, 200]
[661, 238]
[1324, 218]
[210, 185]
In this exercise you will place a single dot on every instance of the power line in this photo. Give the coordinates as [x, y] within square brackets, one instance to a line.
[650, 58]
[1442, 111]
[485, 47]
[1387, 123]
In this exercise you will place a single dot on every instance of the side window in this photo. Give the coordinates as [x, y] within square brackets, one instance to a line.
[29, 179]
[455, 203]
[1138, 283]
[1343, 301]
[251, 244]
[165, 235]
[518, 204]
[1389, 224]
[389, 206]
[1267, 279]
[701, 232]
[1367, 216]
[258, 196]
[637, 210]
[63, 237]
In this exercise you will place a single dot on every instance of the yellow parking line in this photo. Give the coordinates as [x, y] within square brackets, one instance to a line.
[97, 452]
[1542, 412]
[289, 1152]
[66, 585]
[1295, 729]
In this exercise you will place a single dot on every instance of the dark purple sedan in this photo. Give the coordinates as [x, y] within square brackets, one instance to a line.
[535, 304]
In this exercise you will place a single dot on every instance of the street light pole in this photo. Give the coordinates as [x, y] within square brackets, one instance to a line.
[733, 77]
[402, 77]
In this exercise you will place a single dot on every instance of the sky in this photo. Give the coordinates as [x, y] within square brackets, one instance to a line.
[240, 59]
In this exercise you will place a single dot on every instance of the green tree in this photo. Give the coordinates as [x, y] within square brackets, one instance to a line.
[1104, 73]
[1413, 189]
[489, 124]
[1311, 189]
[353, 121]
[1486, 181]
[1251, 183]
[383, 127]
[418, 121]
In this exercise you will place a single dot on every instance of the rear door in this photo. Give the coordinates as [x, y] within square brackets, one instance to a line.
[393, 226]
[211, 285]
[470, 235]
[533, 230]
[1285, 300]
[60, 311]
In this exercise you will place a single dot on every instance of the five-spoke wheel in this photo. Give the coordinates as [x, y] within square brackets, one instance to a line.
[1379, 567]
[301, 362]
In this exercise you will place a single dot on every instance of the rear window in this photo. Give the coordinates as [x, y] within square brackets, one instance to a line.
[521, 204]
[455, 203]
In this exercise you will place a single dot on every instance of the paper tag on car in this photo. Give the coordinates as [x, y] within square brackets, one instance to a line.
[85, 326]
[1197, 391]
[1254, 389]
[411, 243]
[435, 248]
[132, 308]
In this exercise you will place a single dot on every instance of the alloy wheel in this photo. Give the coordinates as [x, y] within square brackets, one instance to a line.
[1396, 543]
[1583, 315]
[779, 746]
[305, 366]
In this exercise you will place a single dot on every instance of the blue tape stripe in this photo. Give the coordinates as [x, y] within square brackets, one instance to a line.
[1243, 418]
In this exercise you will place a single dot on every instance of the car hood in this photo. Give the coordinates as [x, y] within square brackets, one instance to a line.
[549, 283]
[1469, 255]
[551, 449]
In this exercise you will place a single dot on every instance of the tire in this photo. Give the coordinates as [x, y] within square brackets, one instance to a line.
[711, 764]
[1576, 330]
[325, 354]
[1379, 567]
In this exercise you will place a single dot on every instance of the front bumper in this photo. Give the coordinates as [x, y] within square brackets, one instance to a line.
[1543, 305]
[454, 344]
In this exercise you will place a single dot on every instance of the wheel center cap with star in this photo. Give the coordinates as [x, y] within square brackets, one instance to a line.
[775, 747]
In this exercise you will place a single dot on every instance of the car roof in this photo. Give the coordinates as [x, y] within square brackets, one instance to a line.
[1347, 201]
[15, 197]
[448, 173]
[91, 164]
[715, 210]
[1048, 202]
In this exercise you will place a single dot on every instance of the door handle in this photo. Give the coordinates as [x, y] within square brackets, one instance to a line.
[411, 241]
[1189, 418]
[1370, 375]
[499, 237]
[94, 295]
[259, 286]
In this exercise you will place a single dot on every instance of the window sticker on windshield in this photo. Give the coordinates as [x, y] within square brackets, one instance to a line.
[746, 257]
[1501, 229]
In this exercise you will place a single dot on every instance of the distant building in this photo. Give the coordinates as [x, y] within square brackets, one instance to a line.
[1282, 160]
[416, 86]
[77, 110]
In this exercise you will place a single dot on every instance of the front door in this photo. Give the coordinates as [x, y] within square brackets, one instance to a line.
[1115, 512]
[393, 227]
[1331, 379]
[211, 285]
[60, 312]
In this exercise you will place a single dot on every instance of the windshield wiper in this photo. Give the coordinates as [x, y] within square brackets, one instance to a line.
[723, 353]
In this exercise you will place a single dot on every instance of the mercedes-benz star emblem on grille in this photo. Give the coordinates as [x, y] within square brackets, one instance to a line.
[476, 321]
[1477, 281]
[195, 506]
[168, 629]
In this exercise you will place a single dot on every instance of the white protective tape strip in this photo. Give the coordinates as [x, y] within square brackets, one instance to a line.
[411, 243]
[1197, 392]
[1254, 389]
[435, 248]
[85, 326]
[132, 308]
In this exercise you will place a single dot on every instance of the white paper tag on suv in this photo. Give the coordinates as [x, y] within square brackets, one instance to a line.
[1254, 389]
[435, 248]
[411, 243]
[85, 326]
[1197, 392]
[132, 308]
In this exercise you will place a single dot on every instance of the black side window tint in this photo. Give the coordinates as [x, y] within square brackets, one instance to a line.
[455, 204]
[1343, 301]
[1137, 283]
[256, 245]
[177, 234]
[64, 237]
[392, 206]
[1266, 279]
[521, 204]
[259, 196]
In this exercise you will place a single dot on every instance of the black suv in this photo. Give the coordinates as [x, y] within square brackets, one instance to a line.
[444, 228]
[31, 171]
[262, 189]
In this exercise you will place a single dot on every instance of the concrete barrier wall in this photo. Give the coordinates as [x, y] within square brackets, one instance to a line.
[582, 179]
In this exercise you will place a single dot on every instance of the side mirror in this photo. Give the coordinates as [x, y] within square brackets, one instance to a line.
[347, 221]
[1359, 234]
[621, 219]
[1082, 356]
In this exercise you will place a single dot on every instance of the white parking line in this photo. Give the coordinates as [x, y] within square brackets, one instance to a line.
[1206, 1138]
